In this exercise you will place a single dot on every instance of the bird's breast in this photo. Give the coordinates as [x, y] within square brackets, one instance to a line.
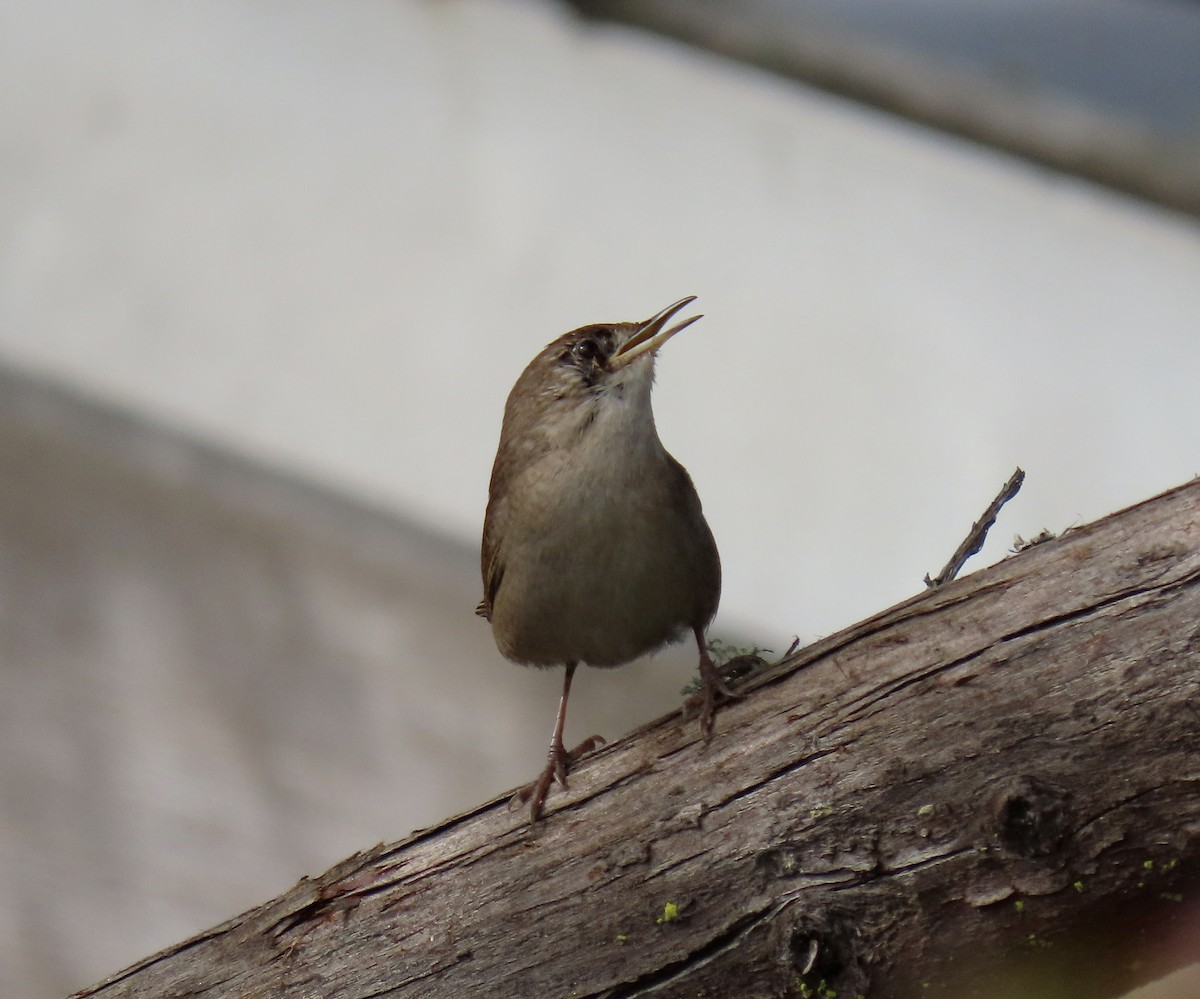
[603, 558]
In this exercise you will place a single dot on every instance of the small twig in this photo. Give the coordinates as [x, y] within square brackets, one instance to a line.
[978, 533]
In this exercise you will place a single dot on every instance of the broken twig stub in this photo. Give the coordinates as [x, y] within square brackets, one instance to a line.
[978, 533]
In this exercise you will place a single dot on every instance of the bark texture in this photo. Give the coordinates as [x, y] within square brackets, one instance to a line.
[991, 788]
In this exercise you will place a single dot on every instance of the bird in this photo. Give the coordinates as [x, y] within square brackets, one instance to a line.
[595, 548]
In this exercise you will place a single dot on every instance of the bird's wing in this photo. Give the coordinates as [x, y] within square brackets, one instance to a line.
[490, 563]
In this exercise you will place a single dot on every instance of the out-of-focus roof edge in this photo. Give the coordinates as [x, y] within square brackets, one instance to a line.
[1115, 152]
[37, 406]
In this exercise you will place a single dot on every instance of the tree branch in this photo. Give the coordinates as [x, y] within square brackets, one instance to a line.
[999, 773]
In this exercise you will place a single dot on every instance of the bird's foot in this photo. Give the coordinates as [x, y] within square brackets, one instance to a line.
[713, 692]
[558, 764]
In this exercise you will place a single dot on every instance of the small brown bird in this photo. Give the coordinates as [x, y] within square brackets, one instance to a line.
[595, 548]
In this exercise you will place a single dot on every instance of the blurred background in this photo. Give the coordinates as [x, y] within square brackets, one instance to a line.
[268, 271]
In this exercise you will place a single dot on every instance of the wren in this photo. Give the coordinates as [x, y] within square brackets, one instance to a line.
[595, 547]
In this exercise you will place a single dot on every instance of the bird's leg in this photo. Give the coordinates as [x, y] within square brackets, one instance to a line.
[558, 761]
[713, 688]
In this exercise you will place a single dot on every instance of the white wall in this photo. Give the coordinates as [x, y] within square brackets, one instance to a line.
[333, 236]
[329, 237]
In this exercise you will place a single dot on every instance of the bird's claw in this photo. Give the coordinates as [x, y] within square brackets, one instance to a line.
[558, 764]
[713, 692]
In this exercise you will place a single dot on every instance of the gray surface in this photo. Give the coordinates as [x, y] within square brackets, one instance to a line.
[214, 680]
[348, 286]
[1133, 59]
[1107, 89]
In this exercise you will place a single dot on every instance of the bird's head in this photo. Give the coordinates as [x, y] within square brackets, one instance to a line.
[597, 375]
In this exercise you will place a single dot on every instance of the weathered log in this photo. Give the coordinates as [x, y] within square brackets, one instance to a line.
[998, 777]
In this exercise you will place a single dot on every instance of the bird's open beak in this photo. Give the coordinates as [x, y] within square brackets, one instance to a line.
[651, 335]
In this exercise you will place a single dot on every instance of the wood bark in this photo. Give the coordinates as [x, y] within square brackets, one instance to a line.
[990, 787]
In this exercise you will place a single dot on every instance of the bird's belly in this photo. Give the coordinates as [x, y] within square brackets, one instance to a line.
[601, 596]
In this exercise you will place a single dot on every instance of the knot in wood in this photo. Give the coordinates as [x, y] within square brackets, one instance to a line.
[779, 862]
[1029, 815]
[816, 948]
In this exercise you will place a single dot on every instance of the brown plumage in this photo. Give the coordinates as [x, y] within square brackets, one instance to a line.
[595, 548]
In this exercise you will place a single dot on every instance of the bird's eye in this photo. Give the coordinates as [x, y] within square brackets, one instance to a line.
[585, 351]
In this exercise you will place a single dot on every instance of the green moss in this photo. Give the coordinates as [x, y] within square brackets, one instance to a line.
[670, 914]
[822, 990]
[723, 652]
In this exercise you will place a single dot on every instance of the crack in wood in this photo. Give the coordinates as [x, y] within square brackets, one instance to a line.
[777, 774]
[655, 981]
[885, 694]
